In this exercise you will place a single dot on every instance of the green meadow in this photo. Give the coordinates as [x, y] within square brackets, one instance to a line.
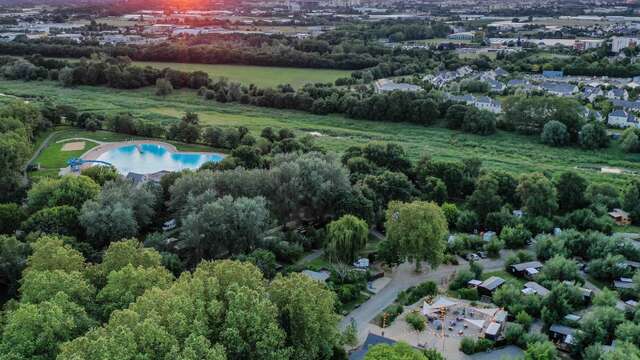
[262, 76]
[503, 150]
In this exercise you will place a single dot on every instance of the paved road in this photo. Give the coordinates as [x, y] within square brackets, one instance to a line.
[311, 256]
[38, 151]
[402, 278]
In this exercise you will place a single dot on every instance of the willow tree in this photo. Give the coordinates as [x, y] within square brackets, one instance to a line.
[417, 230]
[346, 237]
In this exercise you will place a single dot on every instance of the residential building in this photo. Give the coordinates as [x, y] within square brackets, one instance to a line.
[140, 179]
[591, 93]
[517, 83]
[553, 74]
[620, 216]
[559, 89]
[490, 285]
[386, 85]
[617, 93]
[626, 105]
[587, 44]
[526, 269]
[563, 336]
[622, 119]
[618, 43]
[623, 284]
[532, 287]
[467, 36]
[500, 72]
[496, 86]
[488, 104]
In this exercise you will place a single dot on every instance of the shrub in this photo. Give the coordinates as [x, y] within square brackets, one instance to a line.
[469, 294]
[467, 221]
[514, 334]
[476, 269]
[493, 247]
[451, 213]
[416, 321]
[414, 294]
[461, 280]
[468, 346]
[392, 312]
[515, 237]
[524, 319]
[483, 345]
[555, 133]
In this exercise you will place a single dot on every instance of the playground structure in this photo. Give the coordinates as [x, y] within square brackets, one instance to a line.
[76, 163]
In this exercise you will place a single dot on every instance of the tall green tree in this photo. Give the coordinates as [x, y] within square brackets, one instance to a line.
[571, 188]
[35, 331]
[398, 351]
[11, 215]
[51, 253]
[538, 195]
[306, 313]
[631, 200]
[542, 350]
[125, 285]
[485, 199]
[119, 211]
[226, 225]
[69, 190]
[417, 229]
[346, 237]
[38, 286]
[13, 258]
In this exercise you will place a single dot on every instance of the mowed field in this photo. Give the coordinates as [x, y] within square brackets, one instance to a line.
[262, 76]
[506, 151]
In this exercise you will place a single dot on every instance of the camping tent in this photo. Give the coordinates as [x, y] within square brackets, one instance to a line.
[430, 309]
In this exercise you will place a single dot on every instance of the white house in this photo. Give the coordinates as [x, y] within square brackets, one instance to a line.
[487, 103]
[559, 89]
[591, 93]
[468, 35]
[386, 85]
[617, 93]
[496, 86]
[622, 119]
[618, 43]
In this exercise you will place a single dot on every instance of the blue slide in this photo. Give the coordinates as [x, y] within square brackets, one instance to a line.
[75, 163]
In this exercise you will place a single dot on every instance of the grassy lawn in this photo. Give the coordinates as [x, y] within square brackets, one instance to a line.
[317, 264]
[262, 76]
[54, 158]
[504, 150]
[626, 228]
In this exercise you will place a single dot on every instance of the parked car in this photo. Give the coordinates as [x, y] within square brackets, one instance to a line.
[473, 257]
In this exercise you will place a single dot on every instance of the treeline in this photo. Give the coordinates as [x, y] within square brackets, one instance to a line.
[592, 63]
[394, 30]
[200, 54]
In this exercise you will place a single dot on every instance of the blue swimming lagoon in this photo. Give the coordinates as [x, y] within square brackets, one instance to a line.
[151, 158]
